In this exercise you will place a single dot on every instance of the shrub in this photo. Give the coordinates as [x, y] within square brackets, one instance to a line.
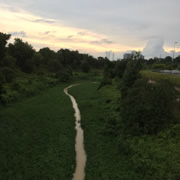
[64, 75]
[7, 74]
[15, 86]
[158, 66]
[148, 108]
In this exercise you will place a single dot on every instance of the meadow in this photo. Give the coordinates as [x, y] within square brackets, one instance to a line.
[37, 137]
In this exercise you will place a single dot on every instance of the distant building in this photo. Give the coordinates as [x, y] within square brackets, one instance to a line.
[127, 56]
[130, 56]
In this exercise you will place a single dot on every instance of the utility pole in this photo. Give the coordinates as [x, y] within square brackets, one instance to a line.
[174, 49]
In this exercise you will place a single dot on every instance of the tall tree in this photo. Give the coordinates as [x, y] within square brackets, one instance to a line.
[3, 41]
[22, 51]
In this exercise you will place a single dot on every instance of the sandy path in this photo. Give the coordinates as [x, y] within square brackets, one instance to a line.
[79, 173]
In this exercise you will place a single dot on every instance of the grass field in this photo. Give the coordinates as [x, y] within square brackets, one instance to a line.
[37, 137]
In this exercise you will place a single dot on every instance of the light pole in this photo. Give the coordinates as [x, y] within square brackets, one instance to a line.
[174, 49]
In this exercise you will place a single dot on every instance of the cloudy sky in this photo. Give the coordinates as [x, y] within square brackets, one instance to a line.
[95, 26]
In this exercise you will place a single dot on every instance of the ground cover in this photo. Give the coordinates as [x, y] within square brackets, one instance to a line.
[37, 137]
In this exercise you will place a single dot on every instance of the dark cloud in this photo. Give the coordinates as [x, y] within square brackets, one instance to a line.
[102, 41]
[44, 21]
[18, 34]
[81, 33]
[47, 32]
[70, 36]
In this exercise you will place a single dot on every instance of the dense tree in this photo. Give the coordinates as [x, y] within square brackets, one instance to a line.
[120, 68]
[3, 41]
[85, 67]
[8, 61]
[54, 65]
[47, 54]
[22, 51]
[130, 75]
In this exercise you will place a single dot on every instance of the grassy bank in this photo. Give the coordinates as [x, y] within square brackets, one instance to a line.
[174, 79]
[122, 156]
[37, 137]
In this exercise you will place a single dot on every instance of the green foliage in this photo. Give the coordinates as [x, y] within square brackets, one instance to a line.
[175, 80]
[37, 137]
[130, 75]
[148, 107]
[3, 41]
[7, 75]
[64, 75]
[28, 66]
[2, 92]
[47, 54]
[113, 155]
[120, 68]
[179, 67]
[85, 67]
[158, 66]
[37, 59]
[54, 65]
[22, 51]
[8, 61]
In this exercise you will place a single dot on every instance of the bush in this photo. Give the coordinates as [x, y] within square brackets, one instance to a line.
[64, 75]
[158, 66]
[16, 86]
[9, 61]
[130, 75]
[7, 74]
[148, 108]
[2, 91]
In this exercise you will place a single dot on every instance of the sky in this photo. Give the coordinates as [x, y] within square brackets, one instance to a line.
[95, 26]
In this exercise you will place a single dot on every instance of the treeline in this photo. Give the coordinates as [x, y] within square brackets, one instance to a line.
[23, 56]
[19, 60]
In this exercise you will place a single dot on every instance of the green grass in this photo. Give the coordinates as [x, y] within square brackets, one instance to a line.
[122, 157]
[37, 137]
[175, 80]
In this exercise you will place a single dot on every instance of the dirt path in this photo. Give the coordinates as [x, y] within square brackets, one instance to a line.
[79, 173]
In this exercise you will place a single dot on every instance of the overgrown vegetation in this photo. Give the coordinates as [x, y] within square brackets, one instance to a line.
[130, 116]
[37, 137]
[114, 152]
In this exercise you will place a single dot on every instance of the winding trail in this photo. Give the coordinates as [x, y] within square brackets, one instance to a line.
[79, 173]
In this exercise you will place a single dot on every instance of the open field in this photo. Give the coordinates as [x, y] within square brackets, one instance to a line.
[37, 137]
